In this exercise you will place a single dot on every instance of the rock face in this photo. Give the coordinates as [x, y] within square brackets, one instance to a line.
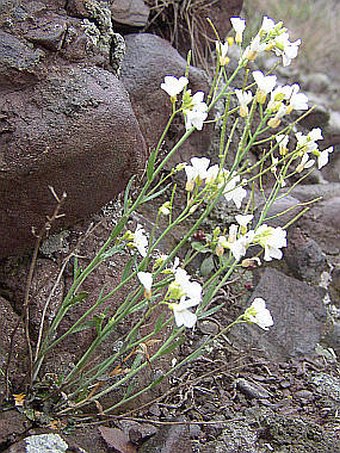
[298, 315]
[65, 119]
[147, 60]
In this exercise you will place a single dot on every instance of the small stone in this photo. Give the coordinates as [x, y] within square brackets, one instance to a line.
[43, 443]
[285, 384]
[304, 395]
[304, 257]
[252, 390]
[208, 327]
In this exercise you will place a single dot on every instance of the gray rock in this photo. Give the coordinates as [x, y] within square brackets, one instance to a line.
[283, 211]
[307, 192]
[43, 443]
[298, 315]
[49, 34]
[322, 223]
[304, 257]
[318, 82]
[318, 117]
[252, 390]
[333, 338]
[134, 13]
[333, 128]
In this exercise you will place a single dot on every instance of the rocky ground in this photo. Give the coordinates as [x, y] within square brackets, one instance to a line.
[252, 391]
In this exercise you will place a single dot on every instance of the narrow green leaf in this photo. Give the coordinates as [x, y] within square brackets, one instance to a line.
[127, 269]
[127, 193]
[156, 194]
[151, 165]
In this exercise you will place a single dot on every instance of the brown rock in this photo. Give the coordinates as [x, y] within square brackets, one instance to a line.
[134, 13]
[76, 132]
[12, 426]
[168, 440]
[148, 59]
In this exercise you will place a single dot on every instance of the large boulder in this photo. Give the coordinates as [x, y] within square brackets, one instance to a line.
[74, 131]
[65, 119]
[147, 60]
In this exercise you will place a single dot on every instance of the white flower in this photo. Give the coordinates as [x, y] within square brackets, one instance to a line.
[283, 47]
[244, 98]
[306, 162]
[183, 316]
[282, 141]
[240, 246]
[254, 48]
[146, 280]
[276, 121]
[239, 26]
[173, 86]
[212, 174]
[197, 172]
[232, 236]
[222, 52]
[315, 134]
[236, 194]
[323, 157]
[277, 96]
[195, 112]
[265, 85]
[165, 209]
[183, 287]
[243, 220]
[267, 25]
[258, 314]
[140, 240]
[195, 118]
[297, 101]
[272, 240]
[306, 143]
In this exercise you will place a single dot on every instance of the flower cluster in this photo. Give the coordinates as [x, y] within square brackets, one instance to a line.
[240, 239]
[199, 172]
[306, 145]
[188, 293]
[193, 107]
[271, 37]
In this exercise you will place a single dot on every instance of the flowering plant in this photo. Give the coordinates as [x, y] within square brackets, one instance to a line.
[166, 299]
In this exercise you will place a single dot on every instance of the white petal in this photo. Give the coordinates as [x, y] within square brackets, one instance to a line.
[146, 279]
